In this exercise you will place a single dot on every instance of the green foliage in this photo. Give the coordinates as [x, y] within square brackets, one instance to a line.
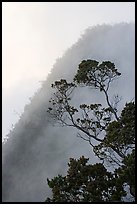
[114, 133]
[120, 135]
[127, 172]
[91, 73]
[85, 183]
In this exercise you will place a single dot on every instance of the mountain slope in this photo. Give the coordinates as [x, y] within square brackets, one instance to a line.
[37, 150]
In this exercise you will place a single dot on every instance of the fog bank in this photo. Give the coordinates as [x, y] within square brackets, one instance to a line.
[37, 150]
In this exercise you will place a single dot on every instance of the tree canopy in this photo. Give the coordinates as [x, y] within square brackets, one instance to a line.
[114, 135]
[86, 183]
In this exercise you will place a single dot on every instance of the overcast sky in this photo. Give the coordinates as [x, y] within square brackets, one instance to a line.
[35, 34]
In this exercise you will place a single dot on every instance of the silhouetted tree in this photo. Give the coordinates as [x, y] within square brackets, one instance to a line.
[113, 133]
[86, 183]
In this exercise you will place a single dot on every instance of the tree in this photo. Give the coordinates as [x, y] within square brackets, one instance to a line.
[85, 183]
[120, 137]
[94, 118]
[114, 133]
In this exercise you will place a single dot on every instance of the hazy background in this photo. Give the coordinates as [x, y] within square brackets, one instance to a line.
[37, 150]
[39, 38]
[35, 34]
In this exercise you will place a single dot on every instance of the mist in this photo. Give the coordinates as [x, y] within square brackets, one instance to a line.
[37, 150]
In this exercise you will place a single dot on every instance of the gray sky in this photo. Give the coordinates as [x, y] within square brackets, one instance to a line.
[35, 34]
